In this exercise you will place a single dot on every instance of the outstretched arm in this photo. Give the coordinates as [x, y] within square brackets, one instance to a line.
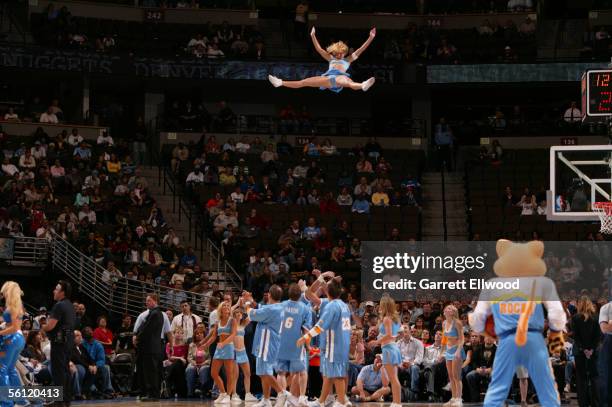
[317, 46]
[365, 45]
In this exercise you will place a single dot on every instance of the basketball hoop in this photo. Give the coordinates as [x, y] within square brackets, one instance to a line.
[604, 211]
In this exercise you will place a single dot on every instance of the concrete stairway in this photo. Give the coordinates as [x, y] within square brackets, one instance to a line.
[456, 217]
[164, 201]
[432, 215]
[432, 220]
[210, 259]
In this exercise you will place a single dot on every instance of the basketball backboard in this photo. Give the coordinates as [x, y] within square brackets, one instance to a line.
[579, 176]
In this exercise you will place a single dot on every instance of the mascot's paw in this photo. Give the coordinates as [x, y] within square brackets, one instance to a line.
[555, 342]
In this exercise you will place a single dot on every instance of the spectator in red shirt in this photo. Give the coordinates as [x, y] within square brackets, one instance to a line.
[104, 335]
[323, 243]
[258, 220]
[37, 219]
[329, 205]
[211, 146]
[213, 201]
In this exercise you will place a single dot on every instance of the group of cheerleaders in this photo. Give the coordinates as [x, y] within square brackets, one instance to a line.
[230, 353]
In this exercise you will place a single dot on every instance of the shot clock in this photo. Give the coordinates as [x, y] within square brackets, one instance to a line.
[597, 93]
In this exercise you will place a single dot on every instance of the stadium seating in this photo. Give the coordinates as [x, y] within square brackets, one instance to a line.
[376, 226]
[519, 169]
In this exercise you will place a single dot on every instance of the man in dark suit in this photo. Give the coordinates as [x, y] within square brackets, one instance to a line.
[482, 365]
[82, 363]
[148, 333]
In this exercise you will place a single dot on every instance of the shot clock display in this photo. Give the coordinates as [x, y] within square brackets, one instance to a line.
[597, 92]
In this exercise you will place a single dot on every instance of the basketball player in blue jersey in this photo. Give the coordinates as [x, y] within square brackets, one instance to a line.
[519, 322]
[336, 78]
[266, 342]
[313, 294]
[335, 324]
[292, 359]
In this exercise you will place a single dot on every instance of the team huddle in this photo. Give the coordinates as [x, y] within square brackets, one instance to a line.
[285, 332]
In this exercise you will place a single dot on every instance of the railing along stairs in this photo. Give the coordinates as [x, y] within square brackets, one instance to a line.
[118, 295]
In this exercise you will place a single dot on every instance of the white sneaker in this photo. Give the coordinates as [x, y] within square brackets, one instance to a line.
[303, 401]
[447, 387]
[314, 403]
[329, 401]
[368, 84]
[567, 388]
[281, 398]
[292, 401]
[449, 403]
[260, 403]
[249, 398]
[276, 82]
[236, 399]
[457, 403]
[223, 399]
[395, 405]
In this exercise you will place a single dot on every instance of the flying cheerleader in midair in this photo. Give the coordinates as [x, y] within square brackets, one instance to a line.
[336, 78]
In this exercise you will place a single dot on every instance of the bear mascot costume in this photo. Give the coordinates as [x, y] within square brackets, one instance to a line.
[518, 318]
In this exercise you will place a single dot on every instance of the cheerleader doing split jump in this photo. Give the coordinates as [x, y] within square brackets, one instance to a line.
[336, 78]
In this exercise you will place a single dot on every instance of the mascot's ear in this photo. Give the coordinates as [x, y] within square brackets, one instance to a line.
[536, 247]
[502, 246]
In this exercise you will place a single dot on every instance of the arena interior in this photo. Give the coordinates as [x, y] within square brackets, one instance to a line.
[175, 172]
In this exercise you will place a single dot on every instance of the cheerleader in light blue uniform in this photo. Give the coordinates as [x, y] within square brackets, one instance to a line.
[225, 330]
[454, 354]
[391, 355]
[336, 78]
[242, 358]
[11, 337]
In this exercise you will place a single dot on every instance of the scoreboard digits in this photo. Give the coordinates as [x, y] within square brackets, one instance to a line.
[597, 93]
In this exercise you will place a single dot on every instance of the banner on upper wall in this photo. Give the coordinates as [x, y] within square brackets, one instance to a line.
[89, 62]
[508, 73]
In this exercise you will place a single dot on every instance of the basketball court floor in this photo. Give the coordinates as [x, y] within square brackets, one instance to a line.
[191, 403]
[208, 403]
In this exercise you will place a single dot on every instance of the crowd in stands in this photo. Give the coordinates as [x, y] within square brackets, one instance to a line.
[59, 28]
[492, 41]
[420, 7]
[235, 42]
[304, 206]
[424, 6]
[35, 111]
[187, 4]
[469, 123]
